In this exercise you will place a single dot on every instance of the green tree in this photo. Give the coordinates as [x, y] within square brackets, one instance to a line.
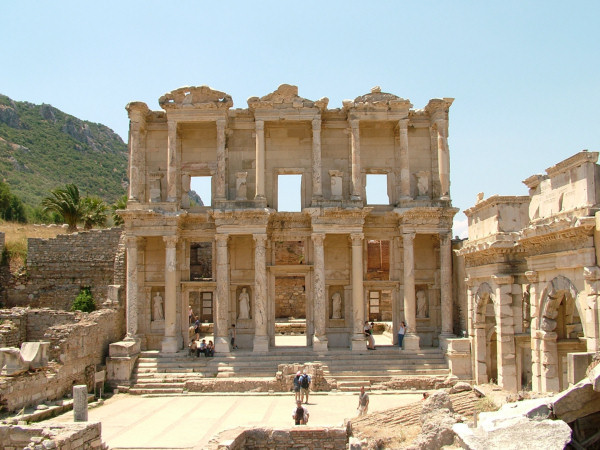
[84, 301]
[11, 206]
[66, 202]
[93, 212]
[121, 203]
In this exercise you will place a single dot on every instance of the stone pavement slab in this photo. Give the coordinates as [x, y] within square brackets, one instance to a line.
[189, 421]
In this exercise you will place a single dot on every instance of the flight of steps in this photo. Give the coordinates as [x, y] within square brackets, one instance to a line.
[167, 374]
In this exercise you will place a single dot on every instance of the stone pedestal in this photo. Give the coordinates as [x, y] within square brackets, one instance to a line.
[222, 345]
[320, 344]
[458, 356]
[411, 342]
[359, 344]
[169, 345]
[80, 403]
[121, 360]
[261, 344]
[11, 362]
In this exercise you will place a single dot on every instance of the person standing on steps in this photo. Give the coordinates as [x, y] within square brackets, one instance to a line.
[232, 336]
[363, 402]
[297, 386]
[401, 333]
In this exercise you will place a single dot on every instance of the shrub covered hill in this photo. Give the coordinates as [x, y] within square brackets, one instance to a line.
[42, 148]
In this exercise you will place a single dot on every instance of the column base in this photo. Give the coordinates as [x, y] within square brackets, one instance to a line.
[358, 343]
[222, 346]
[443, 338]
[320, 344]
[261, 344]
[169, 345]
[411, 342]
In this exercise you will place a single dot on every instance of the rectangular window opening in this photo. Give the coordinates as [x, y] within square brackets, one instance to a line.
[289, 193]
[200, 191]
[376, 189]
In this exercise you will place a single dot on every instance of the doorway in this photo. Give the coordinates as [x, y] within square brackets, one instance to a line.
[290, 311]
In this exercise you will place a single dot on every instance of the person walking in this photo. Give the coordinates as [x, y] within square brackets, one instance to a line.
[304, 387]
[363, 402]
[401, 333]
[300, 414]
[296, 383]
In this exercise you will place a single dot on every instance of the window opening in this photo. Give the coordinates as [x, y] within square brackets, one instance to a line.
[376, 189]
[289, 193]
[200, 191]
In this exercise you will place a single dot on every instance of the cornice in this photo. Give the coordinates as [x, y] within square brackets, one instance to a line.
[496, 200]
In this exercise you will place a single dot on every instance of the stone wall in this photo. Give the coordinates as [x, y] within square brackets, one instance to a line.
[78, 342]
[58, 268]
[14, 327]
[305, 437]
[55, 435]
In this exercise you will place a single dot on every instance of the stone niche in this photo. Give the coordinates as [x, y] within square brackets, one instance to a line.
[337, 306]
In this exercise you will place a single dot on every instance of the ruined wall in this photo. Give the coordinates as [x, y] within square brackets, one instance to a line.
[58, 436]
[299, 437]
[58, 268]
[78, 342]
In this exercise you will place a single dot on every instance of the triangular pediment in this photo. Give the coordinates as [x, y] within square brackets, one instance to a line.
[286, 96]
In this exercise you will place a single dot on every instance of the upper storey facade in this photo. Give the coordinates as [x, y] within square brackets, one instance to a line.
[244, 151]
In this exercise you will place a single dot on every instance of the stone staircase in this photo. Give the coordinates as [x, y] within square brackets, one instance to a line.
[156, 373]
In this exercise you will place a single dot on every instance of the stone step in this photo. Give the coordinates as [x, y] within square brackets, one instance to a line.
[159, 386]
[142, 391]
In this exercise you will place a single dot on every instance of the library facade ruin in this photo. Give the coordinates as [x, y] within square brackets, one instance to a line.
[242, 258]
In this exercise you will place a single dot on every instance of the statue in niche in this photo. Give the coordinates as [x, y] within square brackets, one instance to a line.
[244, 300]
[157, 309]
[241, 190]
[526, 307]
[336, 306]
[422, 307]
[155, 188]
[422, 183]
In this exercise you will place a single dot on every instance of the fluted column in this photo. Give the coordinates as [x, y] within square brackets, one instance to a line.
[443, 158]
[169, 343]
[446, 283]
[320, 310]
[172, 162]
[316, 159]
[220, 176]
[260, 159]
[358, 304]
[355, 139]
[132, 288]
[404, 160]
[261, 338]
[222, 303]
[411, 340]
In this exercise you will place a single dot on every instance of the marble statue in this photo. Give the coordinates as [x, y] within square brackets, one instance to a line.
[336, 302]
[244, 305]
[158, 307]
[422, 309]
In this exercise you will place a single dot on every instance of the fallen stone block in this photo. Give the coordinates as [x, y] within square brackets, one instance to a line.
[577, 401]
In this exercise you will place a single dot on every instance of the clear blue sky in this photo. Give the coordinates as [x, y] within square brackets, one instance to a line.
[525, 74]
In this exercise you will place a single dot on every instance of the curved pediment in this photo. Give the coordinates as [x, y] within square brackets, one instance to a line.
[378, 100]
[286, 96]
[195, 97]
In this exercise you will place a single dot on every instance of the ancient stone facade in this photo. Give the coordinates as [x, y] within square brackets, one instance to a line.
[532, 277]
[340, 260]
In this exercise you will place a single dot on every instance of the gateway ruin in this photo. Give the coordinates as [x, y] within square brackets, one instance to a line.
[242, 258]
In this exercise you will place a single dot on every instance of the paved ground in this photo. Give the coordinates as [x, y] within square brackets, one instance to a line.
[189, 421]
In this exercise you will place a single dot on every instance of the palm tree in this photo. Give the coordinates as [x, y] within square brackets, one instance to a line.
[121, 203]
[66, 202]
[94, 212]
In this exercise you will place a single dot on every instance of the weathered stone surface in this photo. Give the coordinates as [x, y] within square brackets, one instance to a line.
[460, 387]
[577, 401]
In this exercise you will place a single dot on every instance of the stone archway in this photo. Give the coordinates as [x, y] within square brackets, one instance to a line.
[559, 326]
[484, 325]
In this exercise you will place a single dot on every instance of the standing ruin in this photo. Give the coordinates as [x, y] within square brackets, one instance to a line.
[241, 257]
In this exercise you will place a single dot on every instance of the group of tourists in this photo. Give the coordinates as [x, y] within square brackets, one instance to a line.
[368, 330]
[198, 346]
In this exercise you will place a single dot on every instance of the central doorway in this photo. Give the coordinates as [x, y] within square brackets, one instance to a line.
[290, 311]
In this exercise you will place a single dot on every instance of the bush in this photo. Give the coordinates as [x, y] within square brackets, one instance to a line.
[84, 301]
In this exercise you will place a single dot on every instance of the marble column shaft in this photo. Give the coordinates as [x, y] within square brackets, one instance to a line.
[319, 306]
[358, 306]
[260, 286]
[169, 341]
[316, 158]
[221, 159]
[355, 138]
[410, 309]
[260, 159]
[222, 303]
[443, 157]
[132, 287]
[404, 160]
[137, 169]
[446, 282]
[172, 161]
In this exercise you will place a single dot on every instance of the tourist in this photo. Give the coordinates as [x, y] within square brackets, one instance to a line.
[210, 349]
[363, 402]
[296, 383]
[193, 346]
[232, 336]
[197, 327]
[401, 333]
[192, 318]
[369, 336]
[304, 387]
[300, 414]
[202, 348]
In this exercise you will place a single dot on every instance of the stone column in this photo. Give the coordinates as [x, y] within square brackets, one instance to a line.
[222, 303]
[169, 343]
[260, 159]
[173, 162]
[355, 139]
[261, 335]
[411, 339]
[591, 317]
[137, 166]
[443, 158]
[132, 288]
[317, 188]
[358, 304]
[534, 301]
[404, 160]
[220, 176]
[446, 283]
[320, 308]
[506, 352]
[80, 403]
[549, 381]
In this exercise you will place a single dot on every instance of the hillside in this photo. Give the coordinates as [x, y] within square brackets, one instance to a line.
[42, 148]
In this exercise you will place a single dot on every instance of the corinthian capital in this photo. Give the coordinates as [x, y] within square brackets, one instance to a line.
[170, 241]
[259, 125]
[357, 238]
[318, 238]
